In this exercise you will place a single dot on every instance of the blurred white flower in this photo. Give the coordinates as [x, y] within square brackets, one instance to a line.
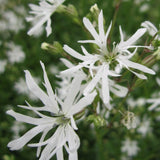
[15, 53]
[158, 81]
[21, 87]
[144, 8]
[3, 64]
[17, 128]
[61, 116]
[155, 103]
[130, 147]
[132, 103]
[21, 10]
[145, 126]
[155, 100]
[42, 14]
[129, 120]
[12, 22]
[141, 102]
[54, 69]
[138, 1]
[156, 67]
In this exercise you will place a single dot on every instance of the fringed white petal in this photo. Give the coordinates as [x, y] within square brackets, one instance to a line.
[118, 90]
[59, 154]
[35, 89]
[93, 82]
[37, 26]
[19, 143]
[139, 33]
[138, 67]
[73, 53]
[81, 104]
[105, 86]
[101, 28]
[42, 139]
[67, 63]
[35, 121]
[73, 124]
[91, 29]
[49, 90]
[72, 92]
[48, 27]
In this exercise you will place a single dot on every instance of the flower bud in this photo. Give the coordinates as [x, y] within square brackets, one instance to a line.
[45, 46]
[56, 47]
[97, 120]
[94, 8]
[157, 53]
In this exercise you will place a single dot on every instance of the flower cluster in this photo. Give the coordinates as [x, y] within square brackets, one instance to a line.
[94, 80]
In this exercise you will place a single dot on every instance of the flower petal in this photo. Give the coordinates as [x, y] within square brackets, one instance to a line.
[91, 29]
[81, 104]
[93, 82]
[35, 89]
[73, 53]
[19, 143]
[49, 90]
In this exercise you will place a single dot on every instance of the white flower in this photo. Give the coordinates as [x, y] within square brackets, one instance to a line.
[54, 69]
[12, 22]
[120, 52]
[99, 74]
[61, 117]
[15, 53]
[17, 128]
[145, 126]
[144, 8]
[21, 10]
[132, 103]
[3, 64]
[152, 30]
[155, 101]
[21, 87]
[104, 64]
[158, 81]
[130, 147]
[42, 14]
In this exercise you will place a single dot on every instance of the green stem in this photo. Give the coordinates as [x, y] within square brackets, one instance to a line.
[114, 21]
[99, 142]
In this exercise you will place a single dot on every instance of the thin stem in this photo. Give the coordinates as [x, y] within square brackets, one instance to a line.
[114, 21]
[100, 149]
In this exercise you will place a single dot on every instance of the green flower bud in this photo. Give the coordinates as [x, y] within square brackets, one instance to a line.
[97, 120]
[94, 8]
[56, 47]
[72, 10]
[157, 53]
